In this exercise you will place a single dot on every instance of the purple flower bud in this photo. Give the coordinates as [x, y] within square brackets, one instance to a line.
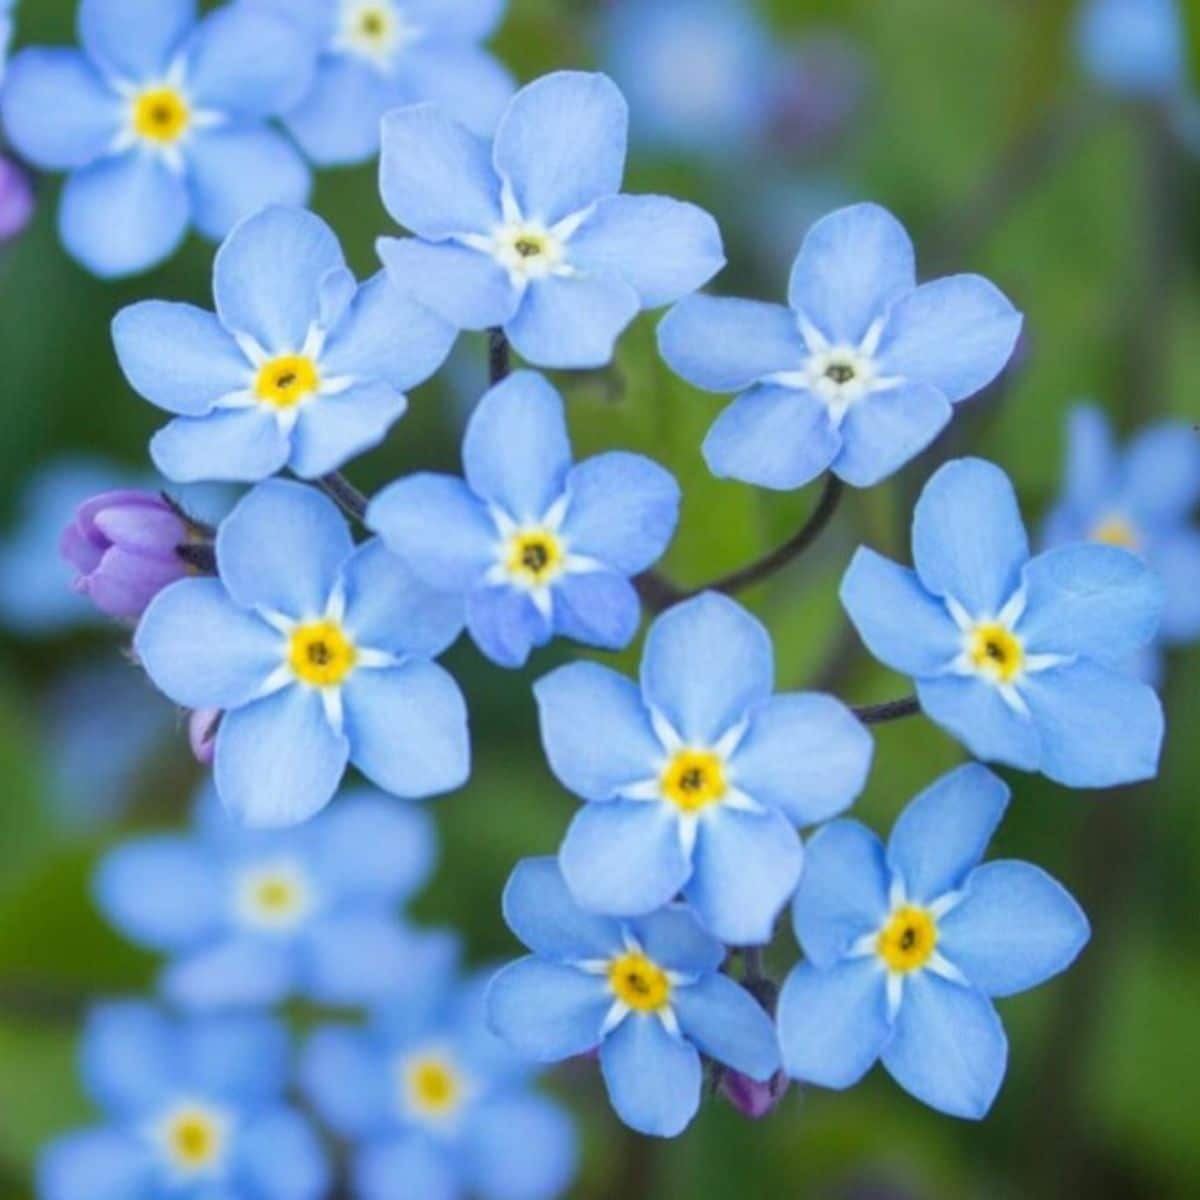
[752, 1098]
[202, 734]
[16, 199]
[124, 545]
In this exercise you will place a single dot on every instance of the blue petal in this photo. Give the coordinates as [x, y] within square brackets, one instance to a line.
[561, 144]
[1098, 727]
[737, 904]
[463, 80]
[1162, 469]
[407, 727]
[333, 429]
[279, 1154]
[540, 910]
[725, 1022]
[773, 437]
[1137, 47]
[833, 1023]
[1090, 476]
[941, 837]
[123, 214]
[949, 1048]
[505, 624]
[843, 891]
[1015, 928]
[436, 178]
[1177, 562]
[239, 972]
[547, 1011]
[806, 755]
[128, 1057]
[96, 1164]
[968, 540]
[706, 662]
[179, 632]
[281, 549]
[240, 1059]
[278, 762]
[597, 608]
[901, 624]
[623, 510]
[623, 858]
[132, 39]
[663, 248]
[473, 19]
[854, 265]
[346, 1080]
[407, 1164]
[975, 712]
[241, 445]
[337, 122]
[595, 730]
[884, 430]
[726, 345]
[653, 1079]
[520, 1147]
[675, 939]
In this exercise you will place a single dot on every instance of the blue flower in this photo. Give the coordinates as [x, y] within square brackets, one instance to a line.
[377, 55]
[195, 1108]
[253, 917]
[905, 947]
[1134, 47]
[696, 780]
[6, 32]
[537, 546]
[531, 235]
[299, 367]
[161, 122]
[434, 1106]
[319, 654]
[859, 375]
[647, 992]
[1017, 657]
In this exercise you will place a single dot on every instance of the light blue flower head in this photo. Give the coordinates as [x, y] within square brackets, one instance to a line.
[696, 780]
[299, 367]
[905, 946]
[193, 1108]
[862, 371]
[161, 122]
[530, 233]
[1133, 47]
[1019, 658]
[537, 545]
[648, 992]
[318, 653]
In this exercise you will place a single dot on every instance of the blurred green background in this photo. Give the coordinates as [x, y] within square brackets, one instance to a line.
[976, 129]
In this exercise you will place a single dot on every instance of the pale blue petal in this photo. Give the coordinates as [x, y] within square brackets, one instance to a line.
[464, 80]
[96, 1164]
[331, 430]
[505, 624]
[347, 1081]
[132, 39]
[883, 431]
[337, 122]
[597, 608]
[520, 1147]
[407, 1165]
[473, 19]
[1162, 471]
[975, 712]
[833, 1023]
[540, 910]
[1136, 47]
[547, 1011]
[675, 939]
[280, 1157]
[726, 1023]
[241, 445]
[1090, 477]
[653, 1079]
[1177, 562]
[242, 971]
[128, 1058]
[854, 265]
[242, 1059]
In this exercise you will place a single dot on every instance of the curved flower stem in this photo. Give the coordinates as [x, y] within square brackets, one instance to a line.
[499, 359]
[892, 710]
[348, 498]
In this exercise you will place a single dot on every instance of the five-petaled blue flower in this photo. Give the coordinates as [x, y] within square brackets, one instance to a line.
[1019, 658]
[696, 780]
[905, 947]
[195, 1108]
[162, 123]
[299, 367]
[648, 992]
[319, 653]
[859, 375]
[537, 545]
[435, 1106]
[377, 55]
[253, 917]
[531, 235]
[1135, 47]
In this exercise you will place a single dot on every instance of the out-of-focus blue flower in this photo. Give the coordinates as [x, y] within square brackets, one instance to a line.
[530, 234]
[250, 917]
[696, 780]
[319, 655]
[1018, 657]
[647, 992]
[859, 375]
[819, 85]
[299, 367]
[905, 947]
[17, 201]
[161, 122]
[377, 55]
[537, 545]
[435, 1106]
[1135, 47]
[195, 1108]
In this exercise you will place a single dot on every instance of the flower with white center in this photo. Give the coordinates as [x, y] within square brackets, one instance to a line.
[193, 1139]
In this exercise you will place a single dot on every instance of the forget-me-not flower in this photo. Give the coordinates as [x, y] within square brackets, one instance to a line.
[530, 234]
[1134, 47]
[647, 992]
[905, 947]
[299, 366]
[161, 122]
[194, 1108]
[319, 654]
[696, 781]
[1018, 657]
[537, 545]
[858, 375]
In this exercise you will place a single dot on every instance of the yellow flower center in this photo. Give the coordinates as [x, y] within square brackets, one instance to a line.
[194, 1139]
[432, 1086]
[996, 651]
[694, 779]
[274, 897]
[320, 654]
[535, 557]
[639, 983]
[1116, 531]
[161, 114]
[284, 382]
[909, 938]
